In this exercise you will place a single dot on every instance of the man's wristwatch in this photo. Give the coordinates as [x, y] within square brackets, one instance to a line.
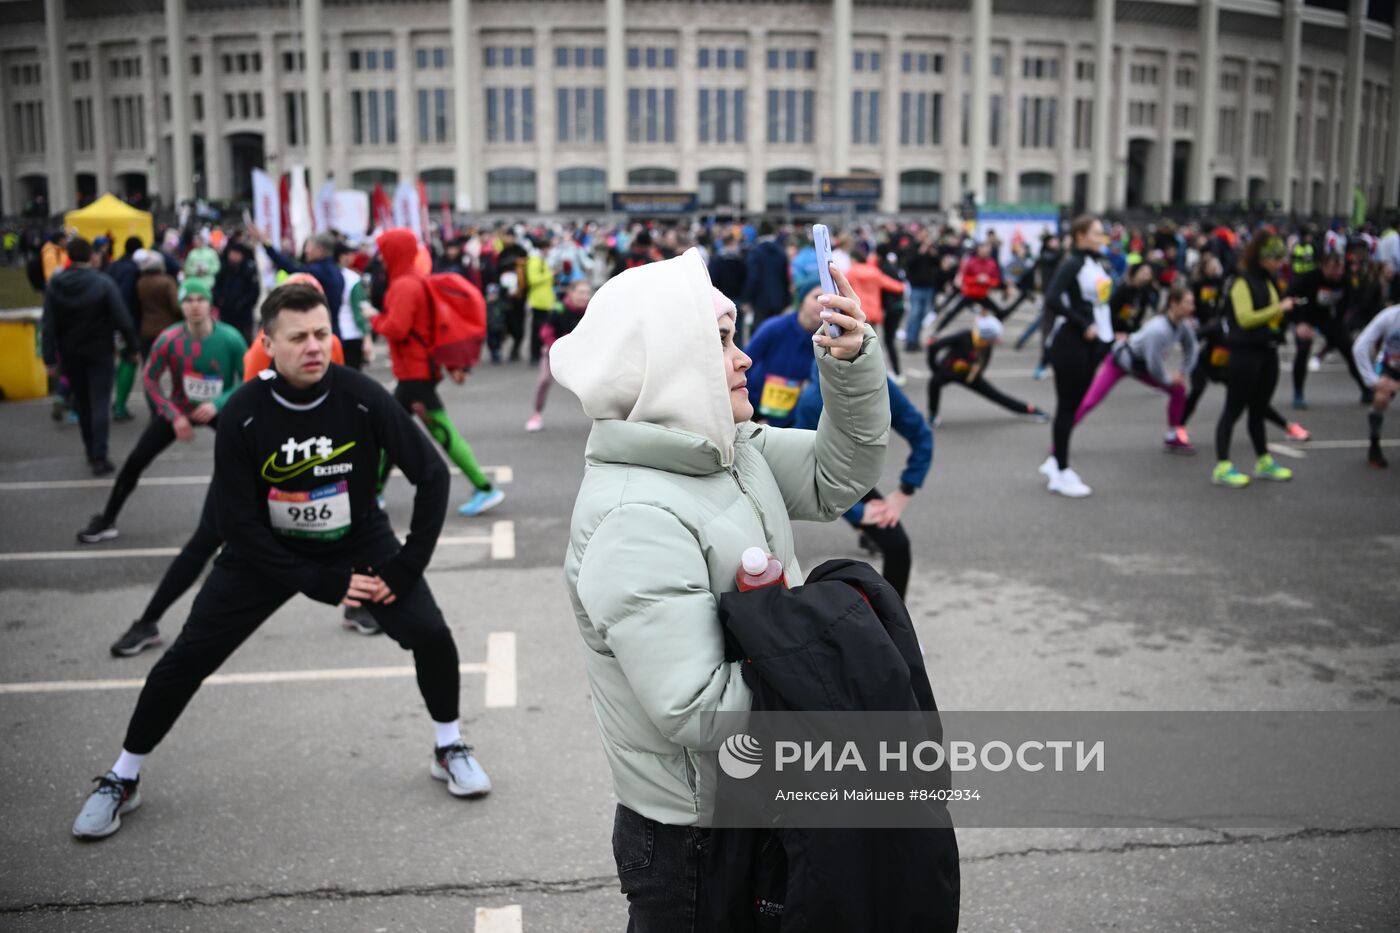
[907, 489]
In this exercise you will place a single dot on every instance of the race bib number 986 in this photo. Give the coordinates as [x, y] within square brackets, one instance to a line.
[322, 514]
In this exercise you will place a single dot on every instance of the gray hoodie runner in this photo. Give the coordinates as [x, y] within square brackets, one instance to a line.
[1150, 345]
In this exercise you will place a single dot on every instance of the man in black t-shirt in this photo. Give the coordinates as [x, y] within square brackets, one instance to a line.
[297, 456]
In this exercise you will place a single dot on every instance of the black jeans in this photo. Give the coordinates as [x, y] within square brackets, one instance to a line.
[965, 302]
[1075, 360]
[235, 600]
[90, 382]
[661, 870]
[894, 548]
[185, 569]
[158, 435]
[1250, 379]
[1335, 333]
[515, 326]
[980, 385]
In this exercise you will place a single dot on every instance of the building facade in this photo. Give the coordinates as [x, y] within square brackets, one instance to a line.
[545, 106]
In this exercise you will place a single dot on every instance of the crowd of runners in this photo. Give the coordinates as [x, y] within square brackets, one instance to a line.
[264, 344]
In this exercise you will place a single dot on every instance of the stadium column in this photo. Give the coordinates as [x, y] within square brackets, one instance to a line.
[215, 182]
[1351, 119]
[1159, 182]
[272, 101]
[58, 148]
[150, 108]
[1104, 12]
[1244, 129]
[1064, 128]
[1011, 116]
[1392, 160]
[978, 138]
[181, 139]
[546, 174]
[889, 124]
[9, 193]
[616, 37]
[687, 110]
[403, 92]
[462, 178]
[101, 155]
[339, 157]
[1286, 129]
[1202, 187]
[842, 47]
[315, 96]
[756, 122]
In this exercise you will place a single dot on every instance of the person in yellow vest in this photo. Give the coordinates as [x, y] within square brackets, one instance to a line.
[539, 294]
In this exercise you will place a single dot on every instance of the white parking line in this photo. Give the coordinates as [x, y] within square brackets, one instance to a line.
[254, 677]
[1301, 452]
[499, 669]
[503, 540]
[501, 476]
[499, 919]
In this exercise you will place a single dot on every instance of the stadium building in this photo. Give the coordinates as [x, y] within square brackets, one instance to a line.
[550, 106]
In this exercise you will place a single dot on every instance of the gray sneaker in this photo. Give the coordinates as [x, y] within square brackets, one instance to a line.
[102, 813]
[455, 764]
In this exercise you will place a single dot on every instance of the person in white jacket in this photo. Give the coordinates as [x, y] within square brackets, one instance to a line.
[679, 483]
[1381, 338]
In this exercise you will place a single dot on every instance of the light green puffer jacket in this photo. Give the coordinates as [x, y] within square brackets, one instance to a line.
[660, 522]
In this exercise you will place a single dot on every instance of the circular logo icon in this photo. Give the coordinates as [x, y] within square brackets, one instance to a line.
[740, 756]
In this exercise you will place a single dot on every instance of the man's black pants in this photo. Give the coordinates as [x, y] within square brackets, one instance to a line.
[234, 601]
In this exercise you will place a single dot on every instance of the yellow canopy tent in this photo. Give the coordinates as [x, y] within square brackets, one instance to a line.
[109, 215]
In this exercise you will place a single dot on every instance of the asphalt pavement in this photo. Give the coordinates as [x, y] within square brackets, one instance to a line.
[295, 795]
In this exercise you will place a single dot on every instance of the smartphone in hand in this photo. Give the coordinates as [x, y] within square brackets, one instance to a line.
[821, 242]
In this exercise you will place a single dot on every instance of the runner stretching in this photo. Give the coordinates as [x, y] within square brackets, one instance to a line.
[298, 455]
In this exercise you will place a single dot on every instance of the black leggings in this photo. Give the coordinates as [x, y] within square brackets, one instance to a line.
[893, 317]
[1335, 333]
[1250, 379]
[515, 326]
[234, 601]
[980, 385]
[158, 435]
[894, 548]
[1075, 360]
[185, 569]
[963, 302]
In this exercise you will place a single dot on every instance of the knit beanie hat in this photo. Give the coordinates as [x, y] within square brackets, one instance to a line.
[195, 287]
[803, 286]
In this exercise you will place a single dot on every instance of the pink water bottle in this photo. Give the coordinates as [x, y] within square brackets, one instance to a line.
[759, 569]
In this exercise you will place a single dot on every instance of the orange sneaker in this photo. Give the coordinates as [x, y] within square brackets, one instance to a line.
[1296, 432]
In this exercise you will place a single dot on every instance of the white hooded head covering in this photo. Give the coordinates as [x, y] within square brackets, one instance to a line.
[649, 350]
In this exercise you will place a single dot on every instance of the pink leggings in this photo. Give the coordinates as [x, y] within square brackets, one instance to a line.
[545, 381]
[1107, 377]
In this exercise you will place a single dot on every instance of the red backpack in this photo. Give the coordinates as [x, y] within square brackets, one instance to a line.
[458, 321]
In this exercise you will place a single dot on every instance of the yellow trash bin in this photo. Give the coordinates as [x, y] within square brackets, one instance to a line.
[21, 368]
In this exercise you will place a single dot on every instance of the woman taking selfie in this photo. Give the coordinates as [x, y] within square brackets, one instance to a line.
[678, 483]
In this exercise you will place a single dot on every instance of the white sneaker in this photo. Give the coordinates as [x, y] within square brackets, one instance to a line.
[1313, 364]
[899, 379]
[1068, 483]
[1050, 468]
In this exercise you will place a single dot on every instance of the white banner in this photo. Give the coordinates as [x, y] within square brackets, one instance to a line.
[267, 208]
[323, 210]
[350, 213]
[299, 208]
[407, 208]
